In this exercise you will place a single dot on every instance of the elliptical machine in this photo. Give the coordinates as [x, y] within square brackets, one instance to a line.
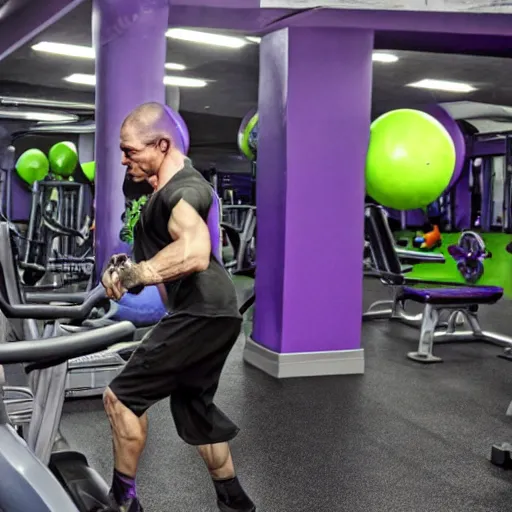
[40, 474]
[88, 375]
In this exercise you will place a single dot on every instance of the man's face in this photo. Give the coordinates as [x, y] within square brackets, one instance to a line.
[142, 160]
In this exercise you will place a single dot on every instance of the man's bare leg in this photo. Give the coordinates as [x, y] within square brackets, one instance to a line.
[230, 494]
[218, 460]
[129, 433]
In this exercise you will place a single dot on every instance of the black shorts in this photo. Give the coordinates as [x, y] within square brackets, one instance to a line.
[182, 357]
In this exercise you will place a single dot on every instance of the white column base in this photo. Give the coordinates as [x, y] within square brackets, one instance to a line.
[303, 364]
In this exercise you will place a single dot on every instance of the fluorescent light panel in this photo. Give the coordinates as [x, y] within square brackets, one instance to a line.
[70, 50]
[79, 78]
[386, 58]
[383, 57]
[195, 36]
[37, 116]
[442, 85]
[82, 79]
[182, 81]
[39, 102]
[175, 66]
[83, 52]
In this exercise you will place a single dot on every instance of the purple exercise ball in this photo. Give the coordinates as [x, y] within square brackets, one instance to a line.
[457, 136]
[182, 136]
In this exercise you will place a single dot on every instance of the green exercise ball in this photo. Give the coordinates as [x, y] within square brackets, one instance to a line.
[410, 161]
[248, 135]
[89, 170]
[63, 158]
[32, 166]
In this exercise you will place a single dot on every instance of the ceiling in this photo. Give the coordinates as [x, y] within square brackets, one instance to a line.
[233, 73]
[214, 112]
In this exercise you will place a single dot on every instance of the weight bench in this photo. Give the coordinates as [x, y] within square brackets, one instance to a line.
[458, 304]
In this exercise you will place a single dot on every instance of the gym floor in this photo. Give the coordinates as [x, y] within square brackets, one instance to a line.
[401, 437]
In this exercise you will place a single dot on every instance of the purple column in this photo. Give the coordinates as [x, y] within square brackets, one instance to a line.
[130, 43]
[314, 107]
[463, 200]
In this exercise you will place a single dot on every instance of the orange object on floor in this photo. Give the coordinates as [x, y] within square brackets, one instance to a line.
[432, 238]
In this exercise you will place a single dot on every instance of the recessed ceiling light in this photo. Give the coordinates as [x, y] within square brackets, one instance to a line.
[253, 39]
[195, 36]
[386, 58]
[442, 85]
[182, 81]
[83, 52]
[79, 78]
[70, 50]
[175, 66]
[48, 117]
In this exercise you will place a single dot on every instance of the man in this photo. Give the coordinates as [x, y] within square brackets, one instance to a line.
[183, 356]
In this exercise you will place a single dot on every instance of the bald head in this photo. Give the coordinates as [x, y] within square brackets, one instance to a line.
[149, 138]
[150, 122]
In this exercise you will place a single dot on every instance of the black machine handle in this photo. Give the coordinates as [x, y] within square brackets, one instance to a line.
[59, 229]
[32, 266]
[389, 277]
[419, 257]
[86, 301]
[247, 304]
[56, 259]
[229, 227]
[46, 298]
[233, 236]
[50, 312]
[65, 347]
[61, 184]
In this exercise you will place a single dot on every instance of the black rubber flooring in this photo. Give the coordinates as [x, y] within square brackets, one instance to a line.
[401, 437]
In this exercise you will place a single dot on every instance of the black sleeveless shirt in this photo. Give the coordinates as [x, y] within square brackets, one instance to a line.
[207, 293]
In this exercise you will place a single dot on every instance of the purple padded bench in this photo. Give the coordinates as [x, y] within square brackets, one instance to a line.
[463, 295]
[461, 303]
[458, 306]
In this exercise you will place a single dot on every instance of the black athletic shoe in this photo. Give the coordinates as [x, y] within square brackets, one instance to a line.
[225, 508]
[129, 506]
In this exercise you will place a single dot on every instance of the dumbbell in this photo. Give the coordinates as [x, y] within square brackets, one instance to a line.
[500, 455]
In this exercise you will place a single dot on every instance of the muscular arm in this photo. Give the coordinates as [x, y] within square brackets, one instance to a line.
[189, 253]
